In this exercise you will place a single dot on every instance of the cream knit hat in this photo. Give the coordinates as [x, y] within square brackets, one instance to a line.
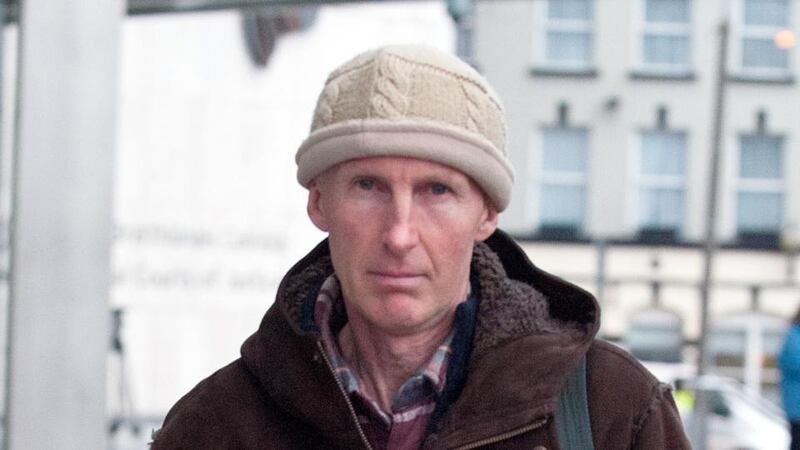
[410, 101]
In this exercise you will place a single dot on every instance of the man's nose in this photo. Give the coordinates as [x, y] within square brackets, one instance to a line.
[402, 233]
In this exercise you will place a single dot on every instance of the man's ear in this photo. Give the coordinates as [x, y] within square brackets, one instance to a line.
[488, 225]
[315, 208]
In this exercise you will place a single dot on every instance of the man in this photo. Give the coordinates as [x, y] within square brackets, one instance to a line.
[417, 324]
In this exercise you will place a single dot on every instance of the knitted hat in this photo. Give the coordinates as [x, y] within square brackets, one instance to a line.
[410, 101]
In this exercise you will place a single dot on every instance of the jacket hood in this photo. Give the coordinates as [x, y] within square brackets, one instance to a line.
[522, 311]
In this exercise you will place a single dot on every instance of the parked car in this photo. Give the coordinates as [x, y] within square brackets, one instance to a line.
[737, 419]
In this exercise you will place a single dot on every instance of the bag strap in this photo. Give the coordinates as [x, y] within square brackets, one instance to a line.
[572, 416]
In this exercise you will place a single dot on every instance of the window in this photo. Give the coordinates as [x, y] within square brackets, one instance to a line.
[662, 173]
[568, 34]
[759, 195]
[666, 35]
[562, 190]
[760, 55]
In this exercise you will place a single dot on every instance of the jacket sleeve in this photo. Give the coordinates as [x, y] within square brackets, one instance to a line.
[660, 426]
[629, 407]
[188, 425]
[224, 411]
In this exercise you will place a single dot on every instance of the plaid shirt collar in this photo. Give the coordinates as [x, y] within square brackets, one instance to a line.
[417, 390]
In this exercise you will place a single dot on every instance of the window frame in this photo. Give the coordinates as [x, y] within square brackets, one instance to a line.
[648, 28]
[774, 186]
[542, 177]
[663, 181]
[548, 25]
[739, 32]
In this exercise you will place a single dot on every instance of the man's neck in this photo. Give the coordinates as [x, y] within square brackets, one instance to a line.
[384, 362]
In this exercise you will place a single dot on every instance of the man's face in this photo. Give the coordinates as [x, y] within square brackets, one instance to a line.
[401, 234]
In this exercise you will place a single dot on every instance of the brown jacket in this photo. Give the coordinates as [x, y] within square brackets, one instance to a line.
[530, 330]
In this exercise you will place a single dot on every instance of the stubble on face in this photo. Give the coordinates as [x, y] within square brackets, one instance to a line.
[401, 234]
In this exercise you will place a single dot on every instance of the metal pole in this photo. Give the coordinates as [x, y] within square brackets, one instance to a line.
[602, 247]
[754, 345]
[4, 234]
[2, 77]
[710, 247]
[61, 224]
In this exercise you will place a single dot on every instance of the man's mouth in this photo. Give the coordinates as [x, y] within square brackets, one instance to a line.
[396, 278]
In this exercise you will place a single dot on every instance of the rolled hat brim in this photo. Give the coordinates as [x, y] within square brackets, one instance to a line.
[469, 153]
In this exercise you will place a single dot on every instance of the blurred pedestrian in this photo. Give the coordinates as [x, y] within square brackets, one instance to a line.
[418, 324]
[789, 364]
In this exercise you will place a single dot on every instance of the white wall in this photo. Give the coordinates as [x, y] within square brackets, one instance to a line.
[209, 215]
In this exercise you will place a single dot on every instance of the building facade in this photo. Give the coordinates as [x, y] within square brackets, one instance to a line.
[611, 109]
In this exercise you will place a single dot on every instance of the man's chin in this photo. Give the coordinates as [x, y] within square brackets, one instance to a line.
[402, 316]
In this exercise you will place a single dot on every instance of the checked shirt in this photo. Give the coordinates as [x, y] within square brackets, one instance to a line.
[404, 426]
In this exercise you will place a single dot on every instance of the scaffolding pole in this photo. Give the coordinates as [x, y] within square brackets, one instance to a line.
[61, 224]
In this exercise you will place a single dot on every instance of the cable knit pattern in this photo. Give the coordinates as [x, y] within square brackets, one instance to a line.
[410, 101]
[391, 87]
[473, 106]
[323, 114]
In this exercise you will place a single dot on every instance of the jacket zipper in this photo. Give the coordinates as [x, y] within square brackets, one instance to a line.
[504, 436]
[350, 407]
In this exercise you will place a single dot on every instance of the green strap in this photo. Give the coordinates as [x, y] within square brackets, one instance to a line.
[572, 416]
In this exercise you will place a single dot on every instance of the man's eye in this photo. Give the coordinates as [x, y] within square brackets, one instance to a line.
[439, 189]
[366, 184]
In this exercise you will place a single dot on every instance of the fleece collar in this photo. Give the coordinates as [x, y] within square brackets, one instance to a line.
[530, 331]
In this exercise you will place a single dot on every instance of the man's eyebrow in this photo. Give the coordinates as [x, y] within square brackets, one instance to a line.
[359, 171]
[441, 177]
[362, 172]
